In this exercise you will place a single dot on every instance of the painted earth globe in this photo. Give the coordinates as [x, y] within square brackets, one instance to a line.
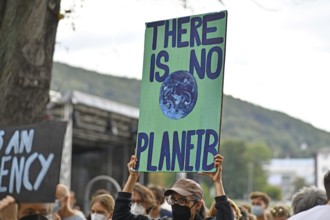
[178, 95]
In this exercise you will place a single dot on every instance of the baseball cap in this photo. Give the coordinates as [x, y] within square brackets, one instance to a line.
[186, 187]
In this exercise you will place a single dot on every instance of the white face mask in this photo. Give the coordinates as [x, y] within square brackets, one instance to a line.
[137, 209]
[96, 216]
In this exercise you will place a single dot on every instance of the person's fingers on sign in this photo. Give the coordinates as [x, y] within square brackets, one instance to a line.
[8, 208]
[6, 202]
[216, 176]
[132, 165]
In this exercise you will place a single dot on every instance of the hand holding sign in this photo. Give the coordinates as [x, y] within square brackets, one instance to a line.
[8, 200]
[132, 165]
[217, 175]
[133, 174]
[8, 208]
[181, 93]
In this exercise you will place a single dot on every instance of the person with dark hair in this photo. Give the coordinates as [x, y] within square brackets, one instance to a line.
[319, 212]
[308, 197]
[246, 212]
[158, 212]
[34, 211]
[185, 196]
[143, 200]
[260, 202]
[235, 209]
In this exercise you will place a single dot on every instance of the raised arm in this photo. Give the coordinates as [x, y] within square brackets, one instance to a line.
[133, 175]
[123, 201]
[224, 211]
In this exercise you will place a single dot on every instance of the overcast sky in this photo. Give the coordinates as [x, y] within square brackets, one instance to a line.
[277, 55]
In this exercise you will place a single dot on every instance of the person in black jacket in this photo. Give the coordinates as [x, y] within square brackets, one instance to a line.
[222, 205]
[185, 196]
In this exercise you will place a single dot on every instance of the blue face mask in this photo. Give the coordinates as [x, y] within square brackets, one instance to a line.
[257, 210]
[57, 206]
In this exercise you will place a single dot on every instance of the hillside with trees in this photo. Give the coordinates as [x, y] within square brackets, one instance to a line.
[241, 121]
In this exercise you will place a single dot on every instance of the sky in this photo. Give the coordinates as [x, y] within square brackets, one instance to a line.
[277, 51]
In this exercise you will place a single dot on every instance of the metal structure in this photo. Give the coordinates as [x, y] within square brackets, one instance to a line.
[100, 138]
[89, 188]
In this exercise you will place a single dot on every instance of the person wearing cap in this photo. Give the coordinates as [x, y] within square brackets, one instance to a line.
[189, 190]
[185, 197]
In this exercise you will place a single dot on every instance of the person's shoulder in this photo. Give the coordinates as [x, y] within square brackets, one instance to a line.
[80, 213]
[310, 212]
[165, 212]
[75, 217]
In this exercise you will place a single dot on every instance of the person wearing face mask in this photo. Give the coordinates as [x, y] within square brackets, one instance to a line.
[33, 211]
[189, 189]
[102, 207]
[185, 197]
[143, 200]
[62, 204]
[236, 211]
[10, 210]
[260, 202]
[136, 200]
[158, 212]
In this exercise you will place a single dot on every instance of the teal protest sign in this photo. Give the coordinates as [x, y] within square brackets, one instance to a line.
[30, 160]
[181, 93]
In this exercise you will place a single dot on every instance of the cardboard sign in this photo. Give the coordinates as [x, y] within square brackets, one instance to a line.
[181, 93]
[30, 160]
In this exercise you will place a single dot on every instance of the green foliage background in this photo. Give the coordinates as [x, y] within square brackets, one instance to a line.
[241, 120]
[250, 135]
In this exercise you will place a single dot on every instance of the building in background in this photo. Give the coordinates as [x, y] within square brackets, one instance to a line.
[100, 138]
[322, 164]
[284, 172]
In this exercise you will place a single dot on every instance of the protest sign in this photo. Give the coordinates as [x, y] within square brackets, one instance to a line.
[30, 160]
[181, 93]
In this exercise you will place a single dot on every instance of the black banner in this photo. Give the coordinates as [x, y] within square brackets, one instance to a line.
[30, 161]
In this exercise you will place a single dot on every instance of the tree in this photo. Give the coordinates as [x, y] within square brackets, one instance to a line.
[274, 192]
[27, 39]
[235, 171]
[298, 183]
[257, 155]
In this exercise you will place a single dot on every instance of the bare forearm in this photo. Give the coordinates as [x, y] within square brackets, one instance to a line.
[129, 185]
[219, 190]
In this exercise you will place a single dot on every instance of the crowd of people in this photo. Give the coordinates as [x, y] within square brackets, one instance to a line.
[184, 199]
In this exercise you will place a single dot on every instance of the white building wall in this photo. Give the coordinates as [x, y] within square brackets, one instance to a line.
[322, 165]
[283, 172]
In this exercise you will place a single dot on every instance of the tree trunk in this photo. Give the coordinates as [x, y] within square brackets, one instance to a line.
[27, 39]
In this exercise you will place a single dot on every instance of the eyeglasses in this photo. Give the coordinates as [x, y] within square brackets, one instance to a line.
[180, 201]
